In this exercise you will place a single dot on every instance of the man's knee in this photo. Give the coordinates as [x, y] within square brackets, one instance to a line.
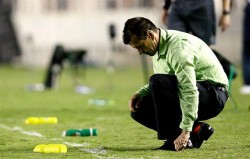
[133, 115]
[162, 80]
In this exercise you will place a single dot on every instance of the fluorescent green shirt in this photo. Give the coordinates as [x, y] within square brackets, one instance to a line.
[190, 60]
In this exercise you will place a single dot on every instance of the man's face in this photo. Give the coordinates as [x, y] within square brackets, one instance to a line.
[147, 46]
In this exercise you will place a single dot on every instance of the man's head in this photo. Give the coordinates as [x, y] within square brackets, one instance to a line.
[141, 34]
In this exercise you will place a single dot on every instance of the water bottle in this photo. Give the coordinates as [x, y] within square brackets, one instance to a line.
[50, 148]
[100, 102]
[80, 132]
[36, 87]
[41, 120]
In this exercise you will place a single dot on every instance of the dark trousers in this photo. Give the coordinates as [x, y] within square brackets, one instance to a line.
[160, 110]
[246, 46]
[194, 16]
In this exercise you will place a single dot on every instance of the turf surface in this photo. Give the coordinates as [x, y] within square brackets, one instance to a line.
[119, 137]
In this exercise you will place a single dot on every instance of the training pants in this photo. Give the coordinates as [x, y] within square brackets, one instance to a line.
[160, 110]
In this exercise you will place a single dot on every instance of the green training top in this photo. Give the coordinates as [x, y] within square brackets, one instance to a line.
[190, 60]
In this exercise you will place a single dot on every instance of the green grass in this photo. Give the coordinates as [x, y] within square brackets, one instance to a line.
[118, 135]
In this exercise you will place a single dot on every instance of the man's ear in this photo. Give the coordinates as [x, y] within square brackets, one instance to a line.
[150, 34]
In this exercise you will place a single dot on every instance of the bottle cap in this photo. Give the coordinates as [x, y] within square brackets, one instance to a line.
[64, 133]
[72, 132]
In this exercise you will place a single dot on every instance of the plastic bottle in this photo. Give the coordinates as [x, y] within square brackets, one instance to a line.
[41, 120]
[50, 148]
[36, 87]
[100, 102]
[80, 132]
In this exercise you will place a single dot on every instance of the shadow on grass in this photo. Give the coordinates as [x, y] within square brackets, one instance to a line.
[131, 148]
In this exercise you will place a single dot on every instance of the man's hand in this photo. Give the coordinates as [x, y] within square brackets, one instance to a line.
[181, 142]
[165, 16]
[224, 22]
[134, 102]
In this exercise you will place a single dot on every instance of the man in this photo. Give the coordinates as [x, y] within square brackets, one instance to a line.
[188, 85]
[196, 17]
[10, 49]
[245, 89]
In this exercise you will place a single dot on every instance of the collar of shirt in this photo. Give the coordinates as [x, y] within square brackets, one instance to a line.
[162, 46]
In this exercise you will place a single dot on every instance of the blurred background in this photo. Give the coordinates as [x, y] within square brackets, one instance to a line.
[31, 29]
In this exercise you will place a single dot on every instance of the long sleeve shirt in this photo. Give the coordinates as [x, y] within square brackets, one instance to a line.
[190, 60]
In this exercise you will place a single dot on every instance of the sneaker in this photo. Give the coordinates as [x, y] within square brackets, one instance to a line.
[201, 132]
[245, 89]
[189, 145]
[168, 145]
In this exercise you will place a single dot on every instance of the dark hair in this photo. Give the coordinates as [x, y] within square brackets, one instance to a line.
[137, 26]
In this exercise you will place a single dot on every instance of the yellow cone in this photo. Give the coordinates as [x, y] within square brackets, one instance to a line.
[50, 148]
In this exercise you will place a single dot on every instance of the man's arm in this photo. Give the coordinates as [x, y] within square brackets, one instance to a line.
[226, 5]
[143, 90]
[166, 6]
[188, 94]
[225, 16]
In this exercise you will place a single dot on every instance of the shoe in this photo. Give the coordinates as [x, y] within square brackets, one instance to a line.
[245, 89]
[170, 146]
[201, 132]
[189, 145]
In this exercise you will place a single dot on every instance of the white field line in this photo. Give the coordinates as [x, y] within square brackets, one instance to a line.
[98, 150]
[29, 133]
[94, 151]
[56, 139]
[32, 133]
[37, 134]
[118, 157]
[85, 144]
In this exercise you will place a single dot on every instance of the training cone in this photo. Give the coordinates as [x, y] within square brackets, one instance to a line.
[41, 120]
[50, 148]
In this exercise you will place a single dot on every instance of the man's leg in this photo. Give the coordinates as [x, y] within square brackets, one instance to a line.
[202, 20]
[246, 46]
[164, 91]
[211, 102]
[160, 110]
[176, 17]
[145, 114]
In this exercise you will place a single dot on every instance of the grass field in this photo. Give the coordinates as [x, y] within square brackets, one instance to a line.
[119, 137]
